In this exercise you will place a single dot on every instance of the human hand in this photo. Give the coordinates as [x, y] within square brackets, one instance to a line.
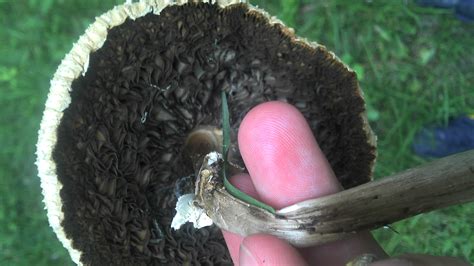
[286, 166]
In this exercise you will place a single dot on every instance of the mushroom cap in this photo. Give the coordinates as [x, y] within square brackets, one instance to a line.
[141, 78]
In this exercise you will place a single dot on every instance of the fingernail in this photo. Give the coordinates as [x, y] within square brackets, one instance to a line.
[246, 257]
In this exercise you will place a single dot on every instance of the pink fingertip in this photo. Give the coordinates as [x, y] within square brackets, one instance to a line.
[268, 250]
[282, 156]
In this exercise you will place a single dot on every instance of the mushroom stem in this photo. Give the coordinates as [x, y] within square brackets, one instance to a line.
[200, 142]
[438, 184]
[205, 139]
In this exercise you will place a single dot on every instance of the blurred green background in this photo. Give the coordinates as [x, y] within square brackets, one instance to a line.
[415, 65]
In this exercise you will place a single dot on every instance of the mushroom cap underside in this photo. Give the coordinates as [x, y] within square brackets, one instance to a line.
[118, 156]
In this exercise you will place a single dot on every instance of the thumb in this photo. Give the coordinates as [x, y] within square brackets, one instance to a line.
[268, 250]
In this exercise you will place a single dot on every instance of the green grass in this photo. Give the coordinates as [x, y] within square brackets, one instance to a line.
[414, 64]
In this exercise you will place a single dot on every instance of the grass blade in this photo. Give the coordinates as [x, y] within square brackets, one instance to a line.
[225, 149]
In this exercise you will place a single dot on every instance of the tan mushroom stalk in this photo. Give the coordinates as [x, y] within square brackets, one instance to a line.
[435, 185]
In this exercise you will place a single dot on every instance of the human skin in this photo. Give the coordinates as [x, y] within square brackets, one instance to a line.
[285, 166]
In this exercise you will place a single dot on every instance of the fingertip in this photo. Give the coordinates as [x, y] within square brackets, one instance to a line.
[268, 250]
[346, 249]
[282, 155]
[233, 242]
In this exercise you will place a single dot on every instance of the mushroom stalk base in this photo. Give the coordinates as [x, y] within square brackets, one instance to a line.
[438, 184]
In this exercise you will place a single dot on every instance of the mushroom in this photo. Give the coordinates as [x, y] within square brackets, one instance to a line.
[134, 103]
